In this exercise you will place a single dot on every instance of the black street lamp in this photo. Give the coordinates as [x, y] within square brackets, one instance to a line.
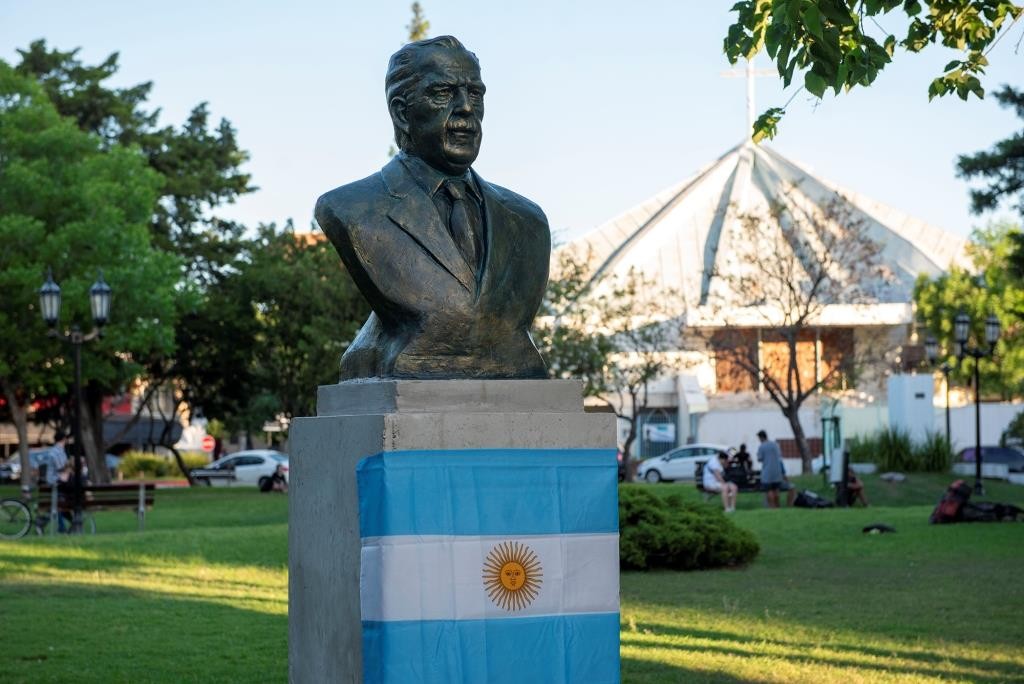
[961, 331]
[49, 306]
[931, 349]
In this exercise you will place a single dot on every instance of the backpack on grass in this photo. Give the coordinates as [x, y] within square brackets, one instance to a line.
[809, 499]
[950, 506]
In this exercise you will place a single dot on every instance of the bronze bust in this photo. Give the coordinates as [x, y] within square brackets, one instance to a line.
[453, 267]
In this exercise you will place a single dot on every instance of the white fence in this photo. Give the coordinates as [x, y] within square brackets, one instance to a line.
[733, 428]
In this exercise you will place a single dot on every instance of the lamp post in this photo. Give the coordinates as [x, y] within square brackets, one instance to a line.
[961, 331]
[931, 349]
[49, 306]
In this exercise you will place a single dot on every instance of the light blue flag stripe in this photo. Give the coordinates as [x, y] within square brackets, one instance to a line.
[542, 491]
[552, 650]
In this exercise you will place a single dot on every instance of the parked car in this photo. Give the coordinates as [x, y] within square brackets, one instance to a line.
[242, 468]
[10, 469]
[678, 464]
[1013, 457]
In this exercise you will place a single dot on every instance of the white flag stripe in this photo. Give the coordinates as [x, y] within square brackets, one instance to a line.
[442, 577]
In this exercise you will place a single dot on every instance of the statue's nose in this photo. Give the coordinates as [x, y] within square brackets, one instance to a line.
[462, 103]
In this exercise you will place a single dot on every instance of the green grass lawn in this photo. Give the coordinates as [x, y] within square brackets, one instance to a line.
[201, 595]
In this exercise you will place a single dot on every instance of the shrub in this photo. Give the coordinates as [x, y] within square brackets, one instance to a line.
[863, 449]
[667, 532]
[934, 454]
[144, 464]
[892, 449]
[192, 459]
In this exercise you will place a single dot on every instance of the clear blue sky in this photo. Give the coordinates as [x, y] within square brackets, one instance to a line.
[591, 107]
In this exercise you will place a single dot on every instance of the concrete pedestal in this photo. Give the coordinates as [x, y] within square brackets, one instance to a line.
[360, 418]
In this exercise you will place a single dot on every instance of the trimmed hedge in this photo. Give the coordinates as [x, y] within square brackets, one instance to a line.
[668, 532]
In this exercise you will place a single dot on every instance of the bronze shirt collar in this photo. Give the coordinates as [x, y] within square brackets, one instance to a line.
[430, 179]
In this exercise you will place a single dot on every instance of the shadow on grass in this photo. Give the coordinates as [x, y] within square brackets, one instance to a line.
[944, 665]
[102, 634]
[260, 546]
[639, 671]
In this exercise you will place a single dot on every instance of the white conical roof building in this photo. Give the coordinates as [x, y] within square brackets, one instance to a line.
[683, 238]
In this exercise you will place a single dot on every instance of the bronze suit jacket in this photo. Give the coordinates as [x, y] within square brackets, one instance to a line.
[432, 317]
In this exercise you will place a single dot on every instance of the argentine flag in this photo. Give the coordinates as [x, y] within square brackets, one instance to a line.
[491, 565]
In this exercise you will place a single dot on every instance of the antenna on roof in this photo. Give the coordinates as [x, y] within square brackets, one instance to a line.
[750, 73]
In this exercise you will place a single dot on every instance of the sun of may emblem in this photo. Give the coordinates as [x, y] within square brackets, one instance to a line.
[512, 575]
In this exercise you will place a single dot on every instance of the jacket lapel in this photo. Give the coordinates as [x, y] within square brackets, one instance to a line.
[501, 235]
[416, 214]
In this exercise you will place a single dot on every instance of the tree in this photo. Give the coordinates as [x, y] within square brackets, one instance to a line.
[1003, 170]
[996, 290]
[614, 333]
[198, 169]
[1002, 167]
[419, 27]
[305, 310]
[72, 202]
[830, 42]
[792, 262]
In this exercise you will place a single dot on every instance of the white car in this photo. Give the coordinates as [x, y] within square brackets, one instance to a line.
[11, 468]
[678, 464]
[242, 468]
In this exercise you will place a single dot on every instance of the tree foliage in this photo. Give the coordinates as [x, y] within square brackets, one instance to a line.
[840, 44]
[996, 290]
[254, 324]
[1002, 167]
[71, 202]
[199, 168]
[419, 27]
[306, 309]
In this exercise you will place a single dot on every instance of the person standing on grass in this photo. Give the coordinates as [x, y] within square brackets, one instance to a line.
[714, 481]
[773, 472]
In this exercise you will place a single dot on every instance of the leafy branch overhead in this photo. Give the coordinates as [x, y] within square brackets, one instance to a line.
[840, 44]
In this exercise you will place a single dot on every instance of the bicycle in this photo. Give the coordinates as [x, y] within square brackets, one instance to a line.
[17, 519]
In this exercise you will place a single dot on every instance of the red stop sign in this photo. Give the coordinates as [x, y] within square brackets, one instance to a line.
[208, 443]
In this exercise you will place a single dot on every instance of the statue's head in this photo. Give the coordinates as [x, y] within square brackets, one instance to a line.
[436, 101]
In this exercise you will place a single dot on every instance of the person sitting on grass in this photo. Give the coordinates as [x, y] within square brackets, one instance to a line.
[854, 489]
[714, 481]
[276, 482]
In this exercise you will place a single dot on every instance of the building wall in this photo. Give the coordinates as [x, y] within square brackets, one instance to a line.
[819, 352]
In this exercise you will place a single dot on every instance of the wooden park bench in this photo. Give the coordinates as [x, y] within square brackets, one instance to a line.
[137, 496]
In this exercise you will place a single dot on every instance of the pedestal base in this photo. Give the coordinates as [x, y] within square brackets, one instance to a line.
[364, 417]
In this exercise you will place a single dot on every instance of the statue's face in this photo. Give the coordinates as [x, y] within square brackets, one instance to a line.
[443, 114]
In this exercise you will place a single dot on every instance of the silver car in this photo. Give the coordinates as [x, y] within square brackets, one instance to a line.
[245, 468]
[678, 464]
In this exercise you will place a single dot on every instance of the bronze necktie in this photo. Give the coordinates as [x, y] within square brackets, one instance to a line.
[460, 224]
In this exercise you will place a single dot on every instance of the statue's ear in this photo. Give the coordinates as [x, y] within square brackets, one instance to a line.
[397, 109]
